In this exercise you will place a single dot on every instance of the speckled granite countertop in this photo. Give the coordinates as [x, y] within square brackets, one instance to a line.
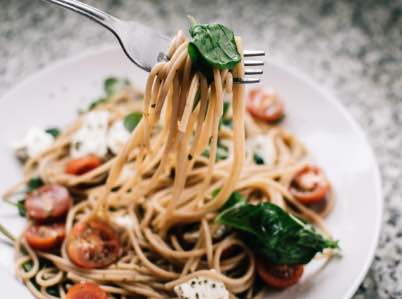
[354, 48]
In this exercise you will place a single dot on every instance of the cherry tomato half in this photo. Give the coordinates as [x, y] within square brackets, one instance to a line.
[279, 276]
[48, 202]
[93, 244]
[86, 290]
[82, 165]
[309, 185]
[45, 236]
[265, 105]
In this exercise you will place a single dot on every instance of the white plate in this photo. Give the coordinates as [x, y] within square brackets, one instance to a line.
[53, 96]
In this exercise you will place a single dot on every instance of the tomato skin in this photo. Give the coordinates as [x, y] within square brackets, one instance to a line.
[86, 290]
[93, 244]
[279, 276]
[48, 202]
[45, 236]
[310, 186]
[265, 105]
[82, 165]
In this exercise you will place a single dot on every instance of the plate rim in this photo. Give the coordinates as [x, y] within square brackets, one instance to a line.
[304, 78]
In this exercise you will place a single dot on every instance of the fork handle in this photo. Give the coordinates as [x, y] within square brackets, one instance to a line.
[89, 11]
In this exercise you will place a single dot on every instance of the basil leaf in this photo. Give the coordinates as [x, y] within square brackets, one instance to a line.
[27, 266]
[97, 102]
[225, 119]
[215, 192]
[53, 291]
[258, 159]
[34, 183]
[132, 120]
[199, 63]
[273, 233]
[22, 211]
[226, 106]
[113, 85]
[213, 45]
[235, 199]
[55, 132]
[222, 152]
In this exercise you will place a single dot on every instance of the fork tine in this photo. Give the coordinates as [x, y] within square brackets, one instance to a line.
[253, 62]
[253, 71]
[246, 80]
[253, 53]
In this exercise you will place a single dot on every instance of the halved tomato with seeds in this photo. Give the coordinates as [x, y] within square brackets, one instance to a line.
[265, 105]
[309, 185]
[93, 244]
[45, 236]
[48, 202]
[279, 276]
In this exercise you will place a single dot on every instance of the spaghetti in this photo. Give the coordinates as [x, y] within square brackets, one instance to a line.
[164, 211]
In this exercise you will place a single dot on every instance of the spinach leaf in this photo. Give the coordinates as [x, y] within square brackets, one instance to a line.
[22, 211]
[97, 102]
[113, 85]
[213, 45]
[222, 152]
[235, 199]
[225, 119]
[215, 192]
[53, 291]
[34, 183]
[273, 233]
[27, 266]
[200, 64]
[258, 159]
[132, 120]
[55, 132]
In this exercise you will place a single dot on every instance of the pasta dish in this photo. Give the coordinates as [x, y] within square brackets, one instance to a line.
[191, 189]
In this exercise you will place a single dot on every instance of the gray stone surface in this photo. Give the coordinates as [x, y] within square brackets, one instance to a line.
[354, 48]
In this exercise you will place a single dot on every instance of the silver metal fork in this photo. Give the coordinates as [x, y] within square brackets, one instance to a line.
[143, 45]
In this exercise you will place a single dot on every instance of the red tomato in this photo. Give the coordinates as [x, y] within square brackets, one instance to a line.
[48, 202]
[82, 165]
[279, 276]
[265, 105]
[93, 244]
[45, 236]
[86, 290]
[309, 185]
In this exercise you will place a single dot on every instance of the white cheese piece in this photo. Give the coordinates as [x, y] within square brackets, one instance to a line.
[35, 141]
[124, 221]
[117, 137]
[202, 288]
[91, 138]
[96, 120]
[263, 147]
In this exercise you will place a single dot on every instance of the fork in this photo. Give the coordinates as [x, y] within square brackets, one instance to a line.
[144, 46]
